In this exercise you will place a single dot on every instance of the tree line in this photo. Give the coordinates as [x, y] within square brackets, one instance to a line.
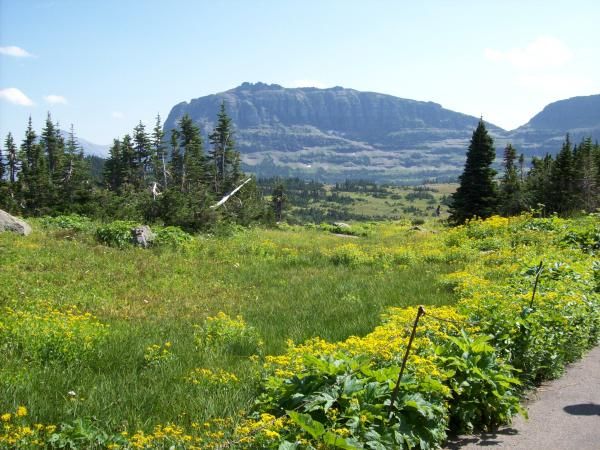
[566, 184]
[148, 176]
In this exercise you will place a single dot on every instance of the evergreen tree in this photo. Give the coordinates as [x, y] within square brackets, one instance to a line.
[194, 168]
[53, 146]
[143, 155]
[11, 163]
[34, 183]
[278, 200]
[562, 181]
[476, 196]
[176, 163]
[113, 168]
[586, 187]
[129, 163]
[159, 157]
[224, 159]
[76, 180]
[512, 199]
[537, 183]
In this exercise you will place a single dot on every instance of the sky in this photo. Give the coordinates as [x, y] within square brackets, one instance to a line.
[104, 65]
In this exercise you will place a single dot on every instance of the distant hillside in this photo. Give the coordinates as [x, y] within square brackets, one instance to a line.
[337, 133]
[578, 116]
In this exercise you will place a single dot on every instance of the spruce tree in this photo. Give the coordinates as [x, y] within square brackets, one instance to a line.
[512, 199]
[562, 197]
[113, 168]
[278, 200]
[477, 194]
[76, 181]
[34, 183]
[143, 155]
[11, 159]
[159, 157]
[224, 159]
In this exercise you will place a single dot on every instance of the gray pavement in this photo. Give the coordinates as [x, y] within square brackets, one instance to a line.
[564, 414]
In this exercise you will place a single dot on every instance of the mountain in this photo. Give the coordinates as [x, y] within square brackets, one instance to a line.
[544, 133]
[337, 133]
[89, 148]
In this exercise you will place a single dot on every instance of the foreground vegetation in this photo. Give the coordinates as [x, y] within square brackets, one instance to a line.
[287, 338]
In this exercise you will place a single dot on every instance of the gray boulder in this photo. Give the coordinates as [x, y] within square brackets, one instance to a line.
[142, 236]
[11, 223]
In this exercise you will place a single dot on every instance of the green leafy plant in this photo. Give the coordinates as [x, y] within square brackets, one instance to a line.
[116, 234]
[485, 392]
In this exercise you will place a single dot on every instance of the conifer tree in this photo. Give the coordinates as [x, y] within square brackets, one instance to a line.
[11, 163]
[278, 200]
[113, 168]
[34, 183]
[512, 199]
[76, 183]
[477, 195]
[224, 159]
[53, 146]
[194, 169]
[562, 180]
[159, 157]
[143, 155]
[129, 163]
[176, 163]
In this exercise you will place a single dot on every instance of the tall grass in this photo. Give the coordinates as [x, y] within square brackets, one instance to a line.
[283, 283]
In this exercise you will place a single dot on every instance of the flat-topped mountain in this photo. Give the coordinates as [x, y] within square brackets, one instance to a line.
[337, 133]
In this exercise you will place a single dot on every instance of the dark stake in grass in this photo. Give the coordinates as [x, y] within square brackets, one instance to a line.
[420, 312]
[538, 272]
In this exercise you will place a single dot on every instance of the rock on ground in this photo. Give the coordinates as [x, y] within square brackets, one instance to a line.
[14, 224]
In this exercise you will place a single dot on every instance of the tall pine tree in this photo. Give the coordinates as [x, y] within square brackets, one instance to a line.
[477, 194]
[224, 159]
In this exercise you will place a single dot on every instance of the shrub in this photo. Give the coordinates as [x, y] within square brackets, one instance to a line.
[73, 222]
[230, 335]
[116, 234]
[484, 391]
[173, 237]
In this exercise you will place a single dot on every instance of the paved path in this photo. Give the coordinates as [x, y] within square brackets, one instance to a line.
[564, 414]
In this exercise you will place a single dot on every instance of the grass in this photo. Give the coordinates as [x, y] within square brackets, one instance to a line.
[283, 283]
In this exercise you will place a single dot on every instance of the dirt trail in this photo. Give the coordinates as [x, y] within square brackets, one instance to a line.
[564, 414]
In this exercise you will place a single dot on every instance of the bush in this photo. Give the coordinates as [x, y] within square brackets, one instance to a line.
[171, 236]
[70, 222]
[116, 234]
[230, 335]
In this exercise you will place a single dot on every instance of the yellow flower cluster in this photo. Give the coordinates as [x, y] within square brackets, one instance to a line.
[209, 376]
[157, 354]
[48, 333]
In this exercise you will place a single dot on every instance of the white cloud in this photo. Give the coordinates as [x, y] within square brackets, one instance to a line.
[545, 51]
[117, 115]
[18, 52]
[307, 83]
[55, 99]
[15, 96]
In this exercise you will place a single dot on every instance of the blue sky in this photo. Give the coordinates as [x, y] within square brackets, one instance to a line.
[104, 65]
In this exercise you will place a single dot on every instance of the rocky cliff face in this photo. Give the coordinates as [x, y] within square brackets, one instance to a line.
[338, 133]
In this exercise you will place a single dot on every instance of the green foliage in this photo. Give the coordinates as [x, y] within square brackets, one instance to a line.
[173, 237]
[232, 335]
[45, 334]
[116, 234]
[73, 222]
[343, 402]
[476, 196]
[485, 392]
